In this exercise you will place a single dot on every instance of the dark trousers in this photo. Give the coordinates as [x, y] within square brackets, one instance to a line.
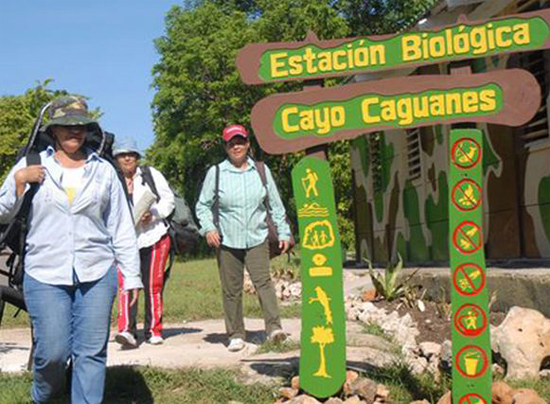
[231, 264]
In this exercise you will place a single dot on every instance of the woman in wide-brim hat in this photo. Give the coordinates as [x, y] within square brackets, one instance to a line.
[80, 229]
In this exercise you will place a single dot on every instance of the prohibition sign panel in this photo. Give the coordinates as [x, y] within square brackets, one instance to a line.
[472, 399]
[466, 153]
[471, 361]
[466, 195]
[469, 279]
[470, 320]
[467, 237]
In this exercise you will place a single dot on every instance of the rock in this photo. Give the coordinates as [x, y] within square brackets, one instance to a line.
[544, 373]
[364, 388]
[369, 340]
[420, 402]
[502, 393]
[429, 349]
[382, 392]
[288, 392]
[446, 355]
[334, 400]
[523, 340]
[303, 399]
[295, 382]
[497, 369]
[527, 396]
[234, 402]
[354, 400]
[445, 399]
[368, 295]
[417, 364]
[351, 376]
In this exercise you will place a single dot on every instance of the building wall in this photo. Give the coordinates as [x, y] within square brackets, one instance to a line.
[401, 184]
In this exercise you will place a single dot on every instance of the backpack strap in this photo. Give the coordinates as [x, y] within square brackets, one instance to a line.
[16, 275]
[147, 178]
[260, 167]
[216, 202]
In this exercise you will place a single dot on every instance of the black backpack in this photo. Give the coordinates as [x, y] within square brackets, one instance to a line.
[182, 229]
[13, 234]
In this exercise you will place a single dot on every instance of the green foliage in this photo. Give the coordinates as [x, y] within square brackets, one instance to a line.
[199, 91]
[389, 285]
[382, 16]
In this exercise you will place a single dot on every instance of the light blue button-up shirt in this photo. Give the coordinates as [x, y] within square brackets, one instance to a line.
[242, 207]
[84, 239]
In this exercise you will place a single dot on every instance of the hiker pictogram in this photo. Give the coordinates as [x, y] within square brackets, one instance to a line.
[467, 237]
[320, 270]
[318, 235]
[322, 298]
[469, 279]
[470, 320]
[471, 361]
[466, 195]
[466, 153]
[472, 398]
[322, 336]
[312, 210]
[309, 182]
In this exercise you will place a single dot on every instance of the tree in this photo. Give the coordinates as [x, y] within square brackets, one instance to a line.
[322, 336]
[198, 89]
[17, 116]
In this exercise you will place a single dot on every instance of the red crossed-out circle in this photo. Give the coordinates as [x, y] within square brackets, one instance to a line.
[461, 328]
[472, 163]
[455, 196]
[462, 270]
[459, 230]
[483, 357]
[467, 399]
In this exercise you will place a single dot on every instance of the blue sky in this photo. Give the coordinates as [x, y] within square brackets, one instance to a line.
[100, 48]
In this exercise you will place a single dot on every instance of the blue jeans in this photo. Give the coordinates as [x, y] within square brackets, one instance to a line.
[70, 322]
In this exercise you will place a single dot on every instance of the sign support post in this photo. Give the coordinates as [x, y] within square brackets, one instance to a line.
[471, 345]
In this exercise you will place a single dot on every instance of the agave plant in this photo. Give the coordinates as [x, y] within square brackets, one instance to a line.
[389, 285]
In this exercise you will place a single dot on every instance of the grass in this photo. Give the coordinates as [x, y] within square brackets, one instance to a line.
[285, 346]
[190, 282]
[145, 385]
[374, 329]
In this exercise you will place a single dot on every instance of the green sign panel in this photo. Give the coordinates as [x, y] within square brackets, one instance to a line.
[399, 111]
[323, 340]
[469, 298]
[312, 59]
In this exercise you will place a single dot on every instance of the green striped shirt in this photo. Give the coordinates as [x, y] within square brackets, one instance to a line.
[242, 207]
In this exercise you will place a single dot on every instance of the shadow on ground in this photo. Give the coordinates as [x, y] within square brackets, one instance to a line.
[254, 337]
[125, 385]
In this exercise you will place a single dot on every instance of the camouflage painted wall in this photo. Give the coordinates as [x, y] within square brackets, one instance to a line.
[401, 188]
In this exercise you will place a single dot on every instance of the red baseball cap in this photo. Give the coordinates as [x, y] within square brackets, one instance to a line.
[229, 132]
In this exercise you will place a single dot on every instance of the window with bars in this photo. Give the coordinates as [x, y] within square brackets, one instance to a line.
[375, 151]
[413, 154]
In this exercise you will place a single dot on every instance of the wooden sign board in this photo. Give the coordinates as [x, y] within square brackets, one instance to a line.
[312, 59]
[295, 121]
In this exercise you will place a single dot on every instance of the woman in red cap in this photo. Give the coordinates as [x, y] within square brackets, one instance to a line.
[232, 213]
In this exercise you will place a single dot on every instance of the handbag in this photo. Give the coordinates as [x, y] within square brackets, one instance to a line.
[272, 234]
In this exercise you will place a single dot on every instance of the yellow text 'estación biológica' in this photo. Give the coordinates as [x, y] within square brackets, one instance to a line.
[364, 54]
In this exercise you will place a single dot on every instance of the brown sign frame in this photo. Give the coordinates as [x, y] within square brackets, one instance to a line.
[521, 99]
